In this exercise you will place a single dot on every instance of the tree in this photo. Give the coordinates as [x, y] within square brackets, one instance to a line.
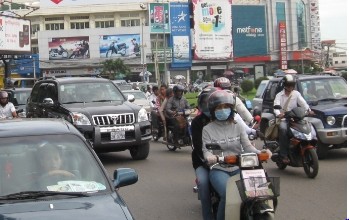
[115, 68]
[246, 86]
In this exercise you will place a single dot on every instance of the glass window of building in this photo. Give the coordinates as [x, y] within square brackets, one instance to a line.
[79, 25]
[130, 22]
[104, 24]
[301, 27]
[35, 28]
[54, 26]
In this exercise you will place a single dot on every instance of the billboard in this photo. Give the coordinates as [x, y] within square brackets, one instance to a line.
[14, 35]
[180, 35]
[249, 30]
[65, 3]
[119, 46]
[283, 45]
[212, 29]
[69, 48]
[159, 18]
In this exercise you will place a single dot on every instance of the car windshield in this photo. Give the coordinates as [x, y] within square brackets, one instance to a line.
[21, 97]
[318, 89]
[89, 92]
[137, 94]
[261, 88]
[58, 163]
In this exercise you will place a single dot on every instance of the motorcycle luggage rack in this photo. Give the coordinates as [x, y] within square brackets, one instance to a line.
[258, 188]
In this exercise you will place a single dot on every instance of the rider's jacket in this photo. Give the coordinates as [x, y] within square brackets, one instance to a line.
[175, 104]
[6, 111]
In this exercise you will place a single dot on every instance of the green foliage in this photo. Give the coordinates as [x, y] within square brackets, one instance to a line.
[246, 86]
[115, 69]
[258, 81]
[192, 98]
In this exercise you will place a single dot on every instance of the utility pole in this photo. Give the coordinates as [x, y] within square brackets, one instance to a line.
[166, 77]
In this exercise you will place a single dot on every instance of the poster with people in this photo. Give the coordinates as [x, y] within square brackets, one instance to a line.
[119, 46]
[69, 48]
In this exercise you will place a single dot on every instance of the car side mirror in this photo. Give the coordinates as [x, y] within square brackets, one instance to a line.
[130, 98]
[124, 177]
[277, 107]
[48, 102]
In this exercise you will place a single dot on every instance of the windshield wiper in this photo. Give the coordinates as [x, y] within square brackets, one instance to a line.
[38, 194]
[72, 102]
[103, 100]
[328, 99]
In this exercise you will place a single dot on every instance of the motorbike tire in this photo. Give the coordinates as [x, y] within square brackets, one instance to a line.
[311, 163]
[72, 56]
[265, 216]
[123, 52]
[170, 141]
[281, 166]
[155, 133]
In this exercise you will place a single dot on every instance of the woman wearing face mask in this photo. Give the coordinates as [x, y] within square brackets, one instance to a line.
[231, 137]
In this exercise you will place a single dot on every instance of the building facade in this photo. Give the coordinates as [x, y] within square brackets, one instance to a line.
[170, 38]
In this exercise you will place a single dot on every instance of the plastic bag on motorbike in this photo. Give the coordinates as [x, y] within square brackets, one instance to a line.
[272, 132]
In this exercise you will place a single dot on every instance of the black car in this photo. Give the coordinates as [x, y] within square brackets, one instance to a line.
[327, 97]
[18, 97]
[49, 171]
[97, 108]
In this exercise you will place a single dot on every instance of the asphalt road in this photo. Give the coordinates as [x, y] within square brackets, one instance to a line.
[166, 179]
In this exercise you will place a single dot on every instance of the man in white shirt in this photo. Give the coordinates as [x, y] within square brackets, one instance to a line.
[7, 109]
[281, 98]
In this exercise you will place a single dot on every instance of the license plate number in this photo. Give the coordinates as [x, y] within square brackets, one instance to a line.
[117, 135]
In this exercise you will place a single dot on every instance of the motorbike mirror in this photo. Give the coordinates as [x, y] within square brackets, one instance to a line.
[257, 118]
[277, 107]
[213, 147]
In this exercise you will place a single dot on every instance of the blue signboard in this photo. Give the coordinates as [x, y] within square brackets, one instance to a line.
[249, 30]
[26, 66]
[180, 35]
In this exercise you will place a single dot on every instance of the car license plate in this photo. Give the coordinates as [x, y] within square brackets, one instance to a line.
[117, 135]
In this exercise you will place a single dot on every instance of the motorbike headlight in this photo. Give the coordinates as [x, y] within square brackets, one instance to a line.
[142, 115]
[330, 120]
[80, 119]
[249, 160]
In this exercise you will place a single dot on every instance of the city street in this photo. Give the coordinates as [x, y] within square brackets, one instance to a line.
[166, 179]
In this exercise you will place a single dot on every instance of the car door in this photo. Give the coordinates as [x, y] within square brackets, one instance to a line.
[34, 108]
[269, 95]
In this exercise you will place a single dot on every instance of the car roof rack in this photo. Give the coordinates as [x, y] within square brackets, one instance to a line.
[72, 76]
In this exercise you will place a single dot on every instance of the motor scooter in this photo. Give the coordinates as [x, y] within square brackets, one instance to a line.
[258, 191]
[302, 149]
[184, 138]
[117, 49]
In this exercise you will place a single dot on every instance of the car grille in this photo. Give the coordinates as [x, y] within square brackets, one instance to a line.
[113, 119]
[341, 121]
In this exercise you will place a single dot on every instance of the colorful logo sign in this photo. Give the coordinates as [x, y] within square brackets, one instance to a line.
[159, 18]
[283, 45]
[212, 26]
[180, 35]
[249, 30]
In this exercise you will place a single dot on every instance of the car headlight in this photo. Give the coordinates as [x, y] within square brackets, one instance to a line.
[142, 115]
[330, 120]
[80, 119]
[249, 160]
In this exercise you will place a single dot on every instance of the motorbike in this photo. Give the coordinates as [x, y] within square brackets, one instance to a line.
[156, 131]
[79, 52]
[184, 137]
[258, 191]
[302, 149]
[59, 51]
[117, 49]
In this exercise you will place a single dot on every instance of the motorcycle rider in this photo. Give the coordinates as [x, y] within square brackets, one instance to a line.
[7, 109]
[224, 83]
[176, 104]
[231, 137]
[281, 98]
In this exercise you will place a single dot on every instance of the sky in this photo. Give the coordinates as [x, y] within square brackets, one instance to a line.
[334, 21]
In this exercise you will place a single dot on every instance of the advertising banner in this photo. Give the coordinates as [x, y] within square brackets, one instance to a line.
[283, 45]
[119, 46]
[14, 35]
[159, 18]
[315, 27]
[180, 35]
[64, 3]
[212, 29]
[69, 48]
[249, 30]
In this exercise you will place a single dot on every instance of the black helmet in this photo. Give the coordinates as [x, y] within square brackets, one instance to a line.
[222, 82]
[178, 91]
[289, 80]
[220, 97]
[203, 99]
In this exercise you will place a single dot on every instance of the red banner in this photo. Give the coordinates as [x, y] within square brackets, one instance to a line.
[283, 45]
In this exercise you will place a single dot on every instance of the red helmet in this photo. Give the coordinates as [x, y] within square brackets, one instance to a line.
[203, 99]
[222, 82]
[221, 97]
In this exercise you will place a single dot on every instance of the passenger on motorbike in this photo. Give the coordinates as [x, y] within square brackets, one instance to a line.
[174, 107]
[224, 83]
[295, 99]
[169, 94]
[7, 109]
[231, 137]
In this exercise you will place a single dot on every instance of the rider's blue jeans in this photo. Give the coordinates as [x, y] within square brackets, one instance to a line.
[219, 180]
[202, 176]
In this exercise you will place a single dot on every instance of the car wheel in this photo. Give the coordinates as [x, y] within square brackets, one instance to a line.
[322, 150]
[140, 152]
